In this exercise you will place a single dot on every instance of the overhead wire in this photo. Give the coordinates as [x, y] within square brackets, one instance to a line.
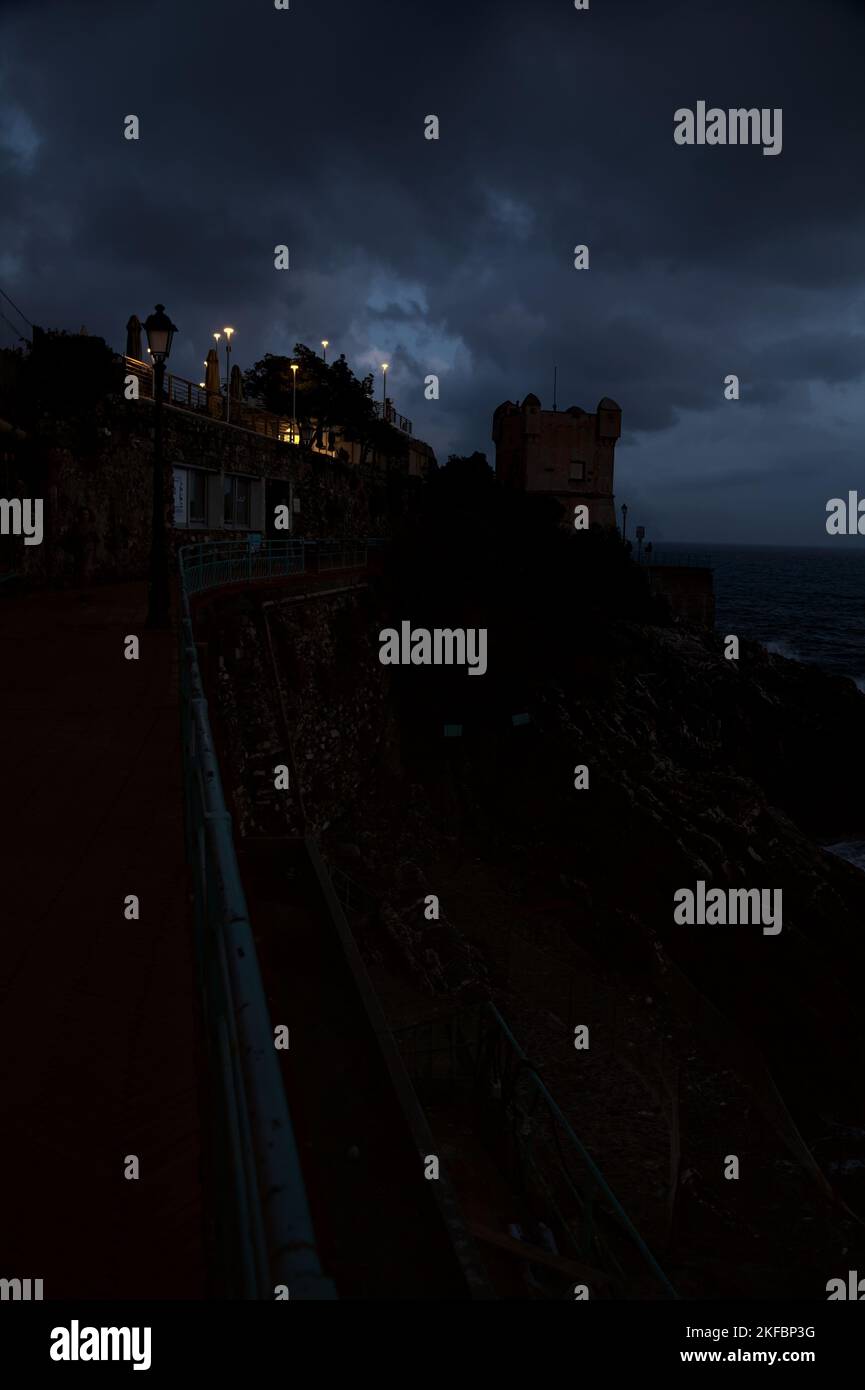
[15, 307]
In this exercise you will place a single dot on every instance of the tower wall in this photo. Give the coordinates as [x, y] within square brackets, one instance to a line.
[568, 454]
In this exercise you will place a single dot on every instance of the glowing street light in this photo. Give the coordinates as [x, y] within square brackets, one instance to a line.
[228, 332]
[384, 367]
[324, 346]
[293, 402]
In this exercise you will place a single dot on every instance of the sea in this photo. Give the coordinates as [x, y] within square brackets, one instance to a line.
[806, 603]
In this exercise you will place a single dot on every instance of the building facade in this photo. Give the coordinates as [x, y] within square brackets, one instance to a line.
[566, 454]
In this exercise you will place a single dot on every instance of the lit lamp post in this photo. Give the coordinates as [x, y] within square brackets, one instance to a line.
[228, 332]
[384, 367]
[294, 402]
[324, 343]
[216, 338]
[160, 331]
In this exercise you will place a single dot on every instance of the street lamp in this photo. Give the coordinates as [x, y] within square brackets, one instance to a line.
[293, 402]
[160, 332]
[324, 344]
[228, 332]
[384, 367]
[624, 519]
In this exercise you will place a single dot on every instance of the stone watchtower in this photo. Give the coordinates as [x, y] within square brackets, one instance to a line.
[566, 453]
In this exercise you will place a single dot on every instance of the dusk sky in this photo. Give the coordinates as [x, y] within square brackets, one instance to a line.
[455, 256]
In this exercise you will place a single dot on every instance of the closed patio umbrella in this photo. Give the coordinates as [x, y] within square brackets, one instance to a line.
[133, 338]
[212, 383]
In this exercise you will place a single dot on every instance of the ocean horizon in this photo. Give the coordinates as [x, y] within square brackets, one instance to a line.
[806, 603]
[803, 602]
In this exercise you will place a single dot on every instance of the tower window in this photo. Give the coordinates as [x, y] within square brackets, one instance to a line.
[578, 471]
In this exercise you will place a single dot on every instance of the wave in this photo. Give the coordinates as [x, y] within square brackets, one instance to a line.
[778, 647]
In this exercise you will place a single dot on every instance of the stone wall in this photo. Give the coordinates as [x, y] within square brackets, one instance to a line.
[688, 589]
[95, 478]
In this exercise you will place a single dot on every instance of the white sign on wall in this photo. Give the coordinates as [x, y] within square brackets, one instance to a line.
[181, 495]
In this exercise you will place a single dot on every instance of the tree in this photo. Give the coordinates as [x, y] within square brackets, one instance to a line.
[68, 373]
[328, 395]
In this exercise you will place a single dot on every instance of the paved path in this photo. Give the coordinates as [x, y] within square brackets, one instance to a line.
[98, 1030]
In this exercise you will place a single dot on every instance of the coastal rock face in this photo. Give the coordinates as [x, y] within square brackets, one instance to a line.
[714, 770]
[558, 903]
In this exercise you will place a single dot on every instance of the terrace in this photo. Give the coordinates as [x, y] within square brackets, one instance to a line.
[239, 414]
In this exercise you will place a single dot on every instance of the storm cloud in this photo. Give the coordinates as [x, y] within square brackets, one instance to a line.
[306, 127]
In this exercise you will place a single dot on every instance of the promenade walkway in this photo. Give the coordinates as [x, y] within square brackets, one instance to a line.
[98, 1014]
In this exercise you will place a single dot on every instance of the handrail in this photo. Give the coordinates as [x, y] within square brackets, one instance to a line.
[670, 560]
[212, 564]
[477, 1046]
[194, 395]
[264, 1231]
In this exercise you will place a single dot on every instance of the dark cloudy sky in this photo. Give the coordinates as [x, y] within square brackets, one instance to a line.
[305, 127]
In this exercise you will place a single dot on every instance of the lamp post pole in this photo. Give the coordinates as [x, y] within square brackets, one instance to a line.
[624, 520]
[293, 402]
[160, 331]
[216, 338]
[384, 367]
[228, 332]
[324, 343]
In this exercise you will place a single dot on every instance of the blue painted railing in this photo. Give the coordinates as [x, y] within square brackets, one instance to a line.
[477, 1047]
[261, 1225]
[214, 564]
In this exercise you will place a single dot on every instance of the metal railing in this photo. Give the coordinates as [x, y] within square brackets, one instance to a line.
[261, 1224]
[212, 564]
[335, 555]
[687, 559]
[191, 395]
[476, 1049]
[178, 390]
[391, 416]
